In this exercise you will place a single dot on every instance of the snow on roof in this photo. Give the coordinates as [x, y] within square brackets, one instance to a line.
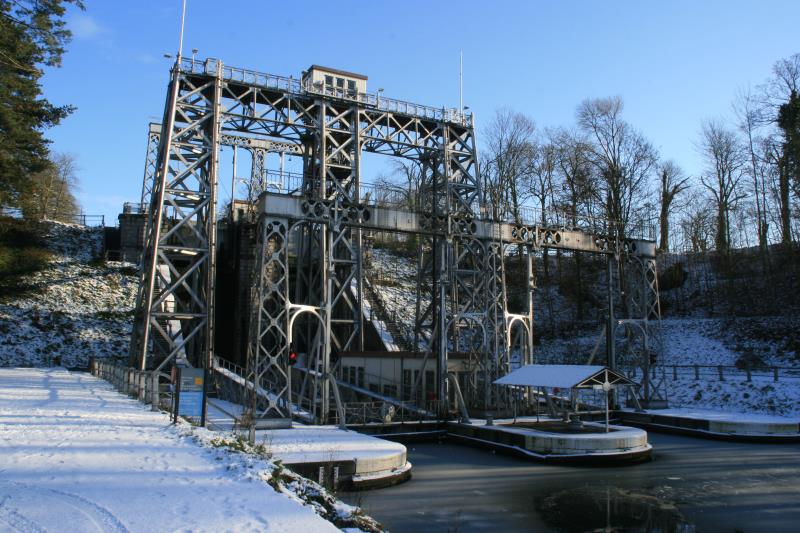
[562, 376]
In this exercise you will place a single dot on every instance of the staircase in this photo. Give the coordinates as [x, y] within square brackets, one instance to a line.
[382, 313]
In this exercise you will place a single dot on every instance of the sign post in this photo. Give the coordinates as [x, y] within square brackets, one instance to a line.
[191, 392]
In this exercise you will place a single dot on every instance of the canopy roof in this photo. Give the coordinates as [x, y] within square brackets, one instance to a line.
[563, 376]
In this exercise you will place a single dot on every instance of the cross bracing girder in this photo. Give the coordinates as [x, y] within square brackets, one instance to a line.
[258, 147]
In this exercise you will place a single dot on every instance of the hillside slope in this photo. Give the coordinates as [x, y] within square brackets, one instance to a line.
[75, 308]
[761, 342]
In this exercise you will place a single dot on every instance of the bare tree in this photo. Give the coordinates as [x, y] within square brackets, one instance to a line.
[750, 117]
[784, 81]
[511, 148]
[673, 182]
[577, 179]
[411, 174]
[780, 94]
[622, 157]
[542, 171]
[67, 181]
[576, 187]
[698, 226]
[725, 158]
[399, 188]
[53, 190]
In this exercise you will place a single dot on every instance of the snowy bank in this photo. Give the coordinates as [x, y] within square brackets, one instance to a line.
[74, 309]
[77, 456]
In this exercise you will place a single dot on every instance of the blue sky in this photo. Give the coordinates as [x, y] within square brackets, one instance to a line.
[673, 63]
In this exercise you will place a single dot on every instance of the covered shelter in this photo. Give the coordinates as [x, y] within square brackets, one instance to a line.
[566, 377]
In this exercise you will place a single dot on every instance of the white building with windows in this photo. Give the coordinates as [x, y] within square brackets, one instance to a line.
[334, 82]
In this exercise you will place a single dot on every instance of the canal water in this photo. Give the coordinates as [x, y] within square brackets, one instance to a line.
[690, 485]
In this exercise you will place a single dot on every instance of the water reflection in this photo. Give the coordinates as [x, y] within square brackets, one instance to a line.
[609, 509]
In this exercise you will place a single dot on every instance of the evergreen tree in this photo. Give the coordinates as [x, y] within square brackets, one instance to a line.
[33, 35]
[789, 123]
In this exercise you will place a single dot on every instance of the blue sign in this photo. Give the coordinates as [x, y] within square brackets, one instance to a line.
[191, 404]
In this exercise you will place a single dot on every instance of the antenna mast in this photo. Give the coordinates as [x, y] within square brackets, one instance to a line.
[183, 20]
[461, 81]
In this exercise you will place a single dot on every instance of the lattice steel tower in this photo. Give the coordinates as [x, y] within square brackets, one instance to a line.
[309, 278]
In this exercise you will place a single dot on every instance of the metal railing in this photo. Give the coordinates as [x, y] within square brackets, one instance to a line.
[553, 217]
[402, 393]
[149, 387]
[724, 373]
[73, 218]
[293, 85]
[383, 412]
[383, 195]
[88, 220]
[132, 208]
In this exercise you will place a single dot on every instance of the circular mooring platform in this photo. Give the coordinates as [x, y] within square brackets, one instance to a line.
[556, 441]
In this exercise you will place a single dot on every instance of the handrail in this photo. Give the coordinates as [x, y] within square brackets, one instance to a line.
[81, 219]
[208, 67]
[722, 372]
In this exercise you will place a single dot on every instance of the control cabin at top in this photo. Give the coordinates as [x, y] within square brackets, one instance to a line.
[333, 82]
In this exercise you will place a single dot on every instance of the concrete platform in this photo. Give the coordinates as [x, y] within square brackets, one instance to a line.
[590, 446]
[363, 461]
[327, 454]
[716, 424]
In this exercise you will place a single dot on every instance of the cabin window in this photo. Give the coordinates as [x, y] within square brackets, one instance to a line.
[329, 81]
[351, 87]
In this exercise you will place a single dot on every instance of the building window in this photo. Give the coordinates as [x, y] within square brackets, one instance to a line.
[430, 385]
[351, 88]
[340, 83]
[329, 81]
[360, 381]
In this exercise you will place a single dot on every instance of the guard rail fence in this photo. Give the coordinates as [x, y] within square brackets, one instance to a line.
[725, 372]
[149, 387]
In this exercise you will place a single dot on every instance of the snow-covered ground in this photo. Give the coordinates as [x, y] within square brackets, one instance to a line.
[705, 342]
[77, 456]
[75, 308]
[396, 283]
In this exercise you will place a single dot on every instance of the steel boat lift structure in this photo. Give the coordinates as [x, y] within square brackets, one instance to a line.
[308, 282]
